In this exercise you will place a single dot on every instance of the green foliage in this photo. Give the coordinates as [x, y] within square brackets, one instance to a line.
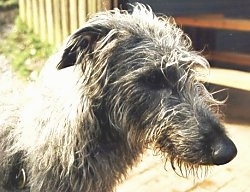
[24, 49]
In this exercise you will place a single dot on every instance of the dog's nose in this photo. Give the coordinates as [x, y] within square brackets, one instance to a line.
[223, 151]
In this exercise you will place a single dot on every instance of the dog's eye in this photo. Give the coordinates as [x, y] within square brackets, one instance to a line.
[171, 75]
[156, 80]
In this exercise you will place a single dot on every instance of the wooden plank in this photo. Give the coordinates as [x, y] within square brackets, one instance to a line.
[82, 12]
[99, 5]
[22, 10]
[36, 23]
[57, 22]
[43, 33]
[219, 23]
[73, 8]
[212, 16]
[65, 18]
[29, 14]
[230, 57]
[50, 22]
[91, 4]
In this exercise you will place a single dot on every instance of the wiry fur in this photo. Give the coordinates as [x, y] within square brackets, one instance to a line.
[122, 83]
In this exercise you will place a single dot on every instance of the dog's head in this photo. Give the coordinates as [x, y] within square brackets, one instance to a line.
[140, 73]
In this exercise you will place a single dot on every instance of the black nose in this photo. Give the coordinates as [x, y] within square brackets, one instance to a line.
[223, 151]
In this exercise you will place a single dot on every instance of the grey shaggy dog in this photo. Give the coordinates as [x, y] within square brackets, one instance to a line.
[123, 83]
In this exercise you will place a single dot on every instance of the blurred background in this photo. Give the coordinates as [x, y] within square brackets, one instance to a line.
[31, 30]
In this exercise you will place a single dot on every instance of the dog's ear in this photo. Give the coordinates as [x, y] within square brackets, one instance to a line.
[81, 42]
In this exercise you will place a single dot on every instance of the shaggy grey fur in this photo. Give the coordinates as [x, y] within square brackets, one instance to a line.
[121, 84]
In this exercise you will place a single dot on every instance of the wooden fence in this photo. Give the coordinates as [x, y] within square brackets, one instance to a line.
[53, 20]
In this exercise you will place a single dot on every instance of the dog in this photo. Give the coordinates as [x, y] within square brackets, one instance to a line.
[122, 83]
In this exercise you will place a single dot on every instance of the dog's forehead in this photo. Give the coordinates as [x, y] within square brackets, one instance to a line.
[143, 53]
[143, 31]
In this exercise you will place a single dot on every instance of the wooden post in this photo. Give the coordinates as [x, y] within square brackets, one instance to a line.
[65, 18]
[82, 12]
[43, 20]
[73, 15]
[50, 21]
[29, 14]
[91, 7]
[99, 5]
[57, 22]
[22, 10]
[35, 10]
